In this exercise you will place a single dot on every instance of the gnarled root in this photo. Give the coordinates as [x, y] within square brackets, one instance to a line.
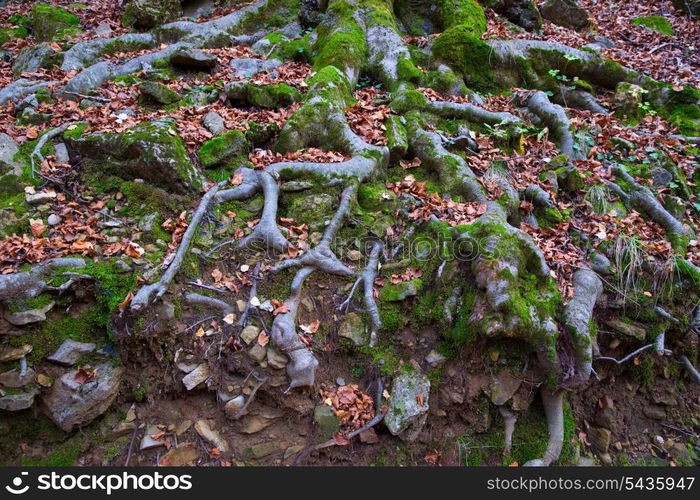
[553, 403]
[31, 283]
[509, 420]
[554, 117]
[36, 157]
[368, 276]
[210, 302]
[302, 365]
[266, 231]
[691, 368]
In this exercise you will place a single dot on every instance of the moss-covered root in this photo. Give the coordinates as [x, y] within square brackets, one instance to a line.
[509, 420]
[453, 171]
[302, 365]
[31, 283]
[553, 402]
[389, 61]
[554, 117]
[578, 312]
[147, 294]
[321, 257]
[267, 232]
[643, 198]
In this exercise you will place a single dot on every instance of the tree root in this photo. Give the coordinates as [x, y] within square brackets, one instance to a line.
[509, 420]
[210, 302]
[554, 117]
[36, 152]
[368, 276]
[21, 88]
[31, 283]
[691, 369]
[253, 292]
[553, 402]
[587, 288]
[266, 231]
[147, 294]
[302, 365]
[470, 112]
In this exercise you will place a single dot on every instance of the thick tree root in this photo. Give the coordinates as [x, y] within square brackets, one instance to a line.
[36, 157]
[553, 402]
[470, 112]
[302, 365]
[691, 368]
[554, 117]
[209, 302]
[150, 293]
[368, 276]
[31, 283]
[267, 232]
[509, 420]
[21, 88]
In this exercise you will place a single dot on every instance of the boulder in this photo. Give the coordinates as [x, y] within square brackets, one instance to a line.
[223, 149]
[53, 23]
[408, 405]
[151, 151]
[502, 387]
[34, 57]
[71, 404]
[146, 14]
[8, 150]
[158, 93]
[194, 59]
[213, 122]
[566, 13]
[69, 352]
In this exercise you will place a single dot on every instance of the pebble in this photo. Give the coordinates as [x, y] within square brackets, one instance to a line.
[250, 333]
[54, 220]
[233, 406]
[196, 376]
[204, 429]
[257, 352]
[340, 381]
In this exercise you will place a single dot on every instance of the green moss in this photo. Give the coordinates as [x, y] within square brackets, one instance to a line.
[409, 100]
[341, 40]
[655, 23]
[273, 96]
[53, 23]
[407, 71]
[223, 149]
[397, 138]
[143, 199]
[466, 13]
[9, 34]
[464, 51]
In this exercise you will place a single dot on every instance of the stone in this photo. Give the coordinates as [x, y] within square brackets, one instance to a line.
[183, 427]
[600, 263]
[354, 255]
[148, 442]
[204, 428]
[566, 13]
[255, 423]
[214, 123]
[71, 404]
[247, 67]
[41, 197]
[182, 456]
[223, 149]
[8, 150]
[196, 376]
[102, 30]
[18, 402]
[502, 387]
[599, 438]
[62, 155]
[660, 177]
[353, 328]
[31, 117]
[434, 358]
[257, 352]
[524, 13]
[30, 316]
[123, 428]
[10, 353]
[148, 14]
[13, 379]
[406, 415]
[369, 436]
[304, 208]
[152, 151]
[158, 93]
[628, 329]
[69, 352]
[276, 359]
[264, 449]
[654, 412]
[53, 23]
[233, 406]
[193, 59]
[327, 421]
[396, 292]
[250, 333]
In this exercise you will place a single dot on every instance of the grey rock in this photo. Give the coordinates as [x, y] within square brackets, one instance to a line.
[327, 421]
[33, 57]
[247, 67]
[31, 117]
[69, 352]
[102, 30]
[149, 14]
[340, 381]
[250, 333]
[62, 155]
[406, 416]
[146, 222]
[660, 177]
[39, 198]
[30, 316]
[502, 387]
[148, 442]
[353, 328]
[264, 449]
[434, 358]
[205, 429]
[13, 379]
[155, 92]
[193, 59]
[8, 150]
[233, 406]
[71, 404]
[214, 123]
[18, 402]
[196, 376]
[566, 13]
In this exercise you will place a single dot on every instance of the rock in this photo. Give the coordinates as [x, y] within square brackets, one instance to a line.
[148, 14]
[600, 263]
[524, 13]
[354, 255]
[434, 358]
[406, 416]
[196, 376]
[327, 421]
[660, 177]
[151, 151]
[30, 316]
[18, 402]
[158, 93]
[691, 7]
[42, 197]
[264, 449]
[44, 380]
[606, 459]
[606, 417]
[312, 208]
[255, 423]
[204, 429]
[654, 412]
[62, 153]
[183, 427]
[102, 30]
[369, 436]
[257, 352]
[353, 328]
[14, 380]
[123, 429]
[629, 329]
[503, 386]
[71, 404]
[276, 359]
[292, 451]
[340, 381]
[182, 456]
[69, 352]
[9, 353]
[396, 292]
[8, 150]
[250, 333]
[193, 59]
[247, 67]
[223, 149]
[566, 13]
[148, 442]
[213, 122]
[31, 117]
[234, 406]
[53, 23]
[599, 438]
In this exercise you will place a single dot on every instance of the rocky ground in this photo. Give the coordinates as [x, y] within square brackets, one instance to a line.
[350, 232]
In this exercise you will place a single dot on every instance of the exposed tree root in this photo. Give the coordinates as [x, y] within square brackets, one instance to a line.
[691, 369]
[553, 402]
[509, 420]
[209, 302]
[267, 232]
[32, 283]
[368, 276]
[21, 88]
[554, 117]
[36, 157]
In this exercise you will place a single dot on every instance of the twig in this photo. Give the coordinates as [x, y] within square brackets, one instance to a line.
[629, 356]
[131, 446]
[261, 381]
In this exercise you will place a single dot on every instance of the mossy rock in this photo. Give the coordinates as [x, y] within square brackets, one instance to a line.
[466, 13]
[53, 23]
[401, 291]
[154, 92]
[148, 14]
[223, 149]
[273, 96]
[314, 209]
[32, 117]
[655, 23]
[152, 151]
[9, 34]
[34, 57]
